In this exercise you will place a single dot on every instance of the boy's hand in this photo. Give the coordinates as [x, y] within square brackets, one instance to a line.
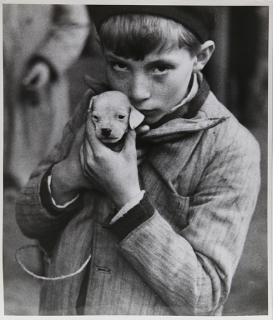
[67, 175]
[114, 172]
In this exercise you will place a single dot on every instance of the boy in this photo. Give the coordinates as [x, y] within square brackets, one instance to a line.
[163, 237]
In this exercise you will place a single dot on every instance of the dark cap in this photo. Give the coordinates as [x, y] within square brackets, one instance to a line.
[197, 19]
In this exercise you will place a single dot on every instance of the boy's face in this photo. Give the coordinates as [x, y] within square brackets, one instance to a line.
[154, 85]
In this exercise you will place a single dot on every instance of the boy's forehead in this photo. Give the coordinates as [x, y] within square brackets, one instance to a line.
[169, 54]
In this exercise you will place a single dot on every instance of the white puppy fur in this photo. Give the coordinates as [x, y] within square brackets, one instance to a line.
[112, 114]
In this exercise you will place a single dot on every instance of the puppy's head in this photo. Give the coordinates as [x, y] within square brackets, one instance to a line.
[112, 114]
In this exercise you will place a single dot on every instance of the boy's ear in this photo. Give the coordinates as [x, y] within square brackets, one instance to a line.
[135, 118]
[203, 56]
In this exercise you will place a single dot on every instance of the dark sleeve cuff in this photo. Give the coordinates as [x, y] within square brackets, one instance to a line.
[133, 218]
[46, 199]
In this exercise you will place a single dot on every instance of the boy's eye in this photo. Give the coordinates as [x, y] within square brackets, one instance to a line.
[118, 66]
[160, 69]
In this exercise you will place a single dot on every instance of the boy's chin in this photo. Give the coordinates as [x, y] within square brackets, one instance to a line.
[152, 120]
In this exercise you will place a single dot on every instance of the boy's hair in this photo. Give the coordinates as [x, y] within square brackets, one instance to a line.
[136, 35]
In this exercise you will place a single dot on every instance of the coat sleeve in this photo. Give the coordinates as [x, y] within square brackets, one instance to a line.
[32, 217]
[191, 270]
[66, 37]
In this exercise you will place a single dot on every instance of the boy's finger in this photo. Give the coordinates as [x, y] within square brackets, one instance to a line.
[142, 129]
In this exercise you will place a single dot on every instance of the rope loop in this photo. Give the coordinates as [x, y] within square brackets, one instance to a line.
[47, 259]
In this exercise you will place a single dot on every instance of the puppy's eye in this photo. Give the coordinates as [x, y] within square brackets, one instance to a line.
[95, 118]
[121, 116]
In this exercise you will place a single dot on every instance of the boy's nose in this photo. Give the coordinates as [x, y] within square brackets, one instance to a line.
[139, 90]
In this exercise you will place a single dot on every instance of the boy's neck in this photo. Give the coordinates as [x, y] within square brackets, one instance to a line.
[196, 79]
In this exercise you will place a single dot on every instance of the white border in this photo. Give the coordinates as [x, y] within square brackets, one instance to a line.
[268, 3]
[152, 2]
[270, 159]
[1, 170]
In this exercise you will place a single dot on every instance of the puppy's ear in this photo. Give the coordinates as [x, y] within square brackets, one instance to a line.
[90, 107]
[135, 118]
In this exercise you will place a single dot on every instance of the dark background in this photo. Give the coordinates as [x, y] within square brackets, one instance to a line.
[238, 76]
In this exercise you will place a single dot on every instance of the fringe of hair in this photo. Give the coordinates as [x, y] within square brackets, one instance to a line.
[134, 36]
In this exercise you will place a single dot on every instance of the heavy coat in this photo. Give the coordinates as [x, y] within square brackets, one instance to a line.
[202, 178]
[54, 34]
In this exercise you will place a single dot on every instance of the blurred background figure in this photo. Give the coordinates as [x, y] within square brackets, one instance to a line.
[40, 43]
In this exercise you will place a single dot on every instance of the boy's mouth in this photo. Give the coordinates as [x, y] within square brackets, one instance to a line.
[147, 112]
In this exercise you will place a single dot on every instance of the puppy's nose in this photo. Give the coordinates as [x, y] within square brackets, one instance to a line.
[106, 132]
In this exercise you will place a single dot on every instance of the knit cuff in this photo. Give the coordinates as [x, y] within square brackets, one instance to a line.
[48, 204]
[133, 218]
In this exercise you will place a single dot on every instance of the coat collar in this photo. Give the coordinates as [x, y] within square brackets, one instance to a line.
[186, 119]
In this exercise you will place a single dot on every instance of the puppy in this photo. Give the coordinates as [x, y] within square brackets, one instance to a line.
[112, 114]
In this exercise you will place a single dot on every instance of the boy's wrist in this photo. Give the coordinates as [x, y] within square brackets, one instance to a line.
[128, 206]
[124, 197]
[60, 205]
[57, 206]
[63, 187]
[133, 218]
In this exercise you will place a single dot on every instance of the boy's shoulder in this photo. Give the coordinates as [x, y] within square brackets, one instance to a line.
[230, 132]
[213, 108]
